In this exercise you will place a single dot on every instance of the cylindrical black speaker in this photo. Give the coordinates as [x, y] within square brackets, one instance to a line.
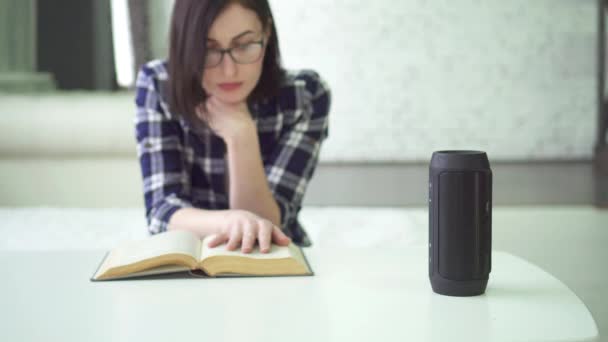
[460, 222]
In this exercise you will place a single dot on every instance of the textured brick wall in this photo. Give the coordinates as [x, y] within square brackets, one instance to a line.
[515, 78]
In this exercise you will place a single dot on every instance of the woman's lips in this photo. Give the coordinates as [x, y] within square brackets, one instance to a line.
[230, 86]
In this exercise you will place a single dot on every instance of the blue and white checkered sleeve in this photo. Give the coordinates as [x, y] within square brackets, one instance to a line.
[294, 160]
[166, 182]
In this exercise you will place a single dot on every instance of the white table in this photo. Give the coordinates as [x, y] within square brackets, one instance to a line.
[357, 294]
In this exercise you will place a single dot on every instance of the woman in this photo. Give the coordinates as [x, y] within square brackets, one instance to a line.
[227, 139]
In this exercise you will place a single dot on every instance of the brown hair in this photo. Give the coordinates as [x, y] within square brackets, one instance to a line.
[190, 25]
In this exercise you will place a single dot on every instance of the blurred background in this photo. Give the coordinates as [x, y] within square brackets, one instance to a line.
[518, 79]
[522, 80]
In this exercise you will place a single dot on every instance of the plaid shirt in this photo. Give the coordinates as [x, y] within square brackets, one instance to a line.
[184, 166]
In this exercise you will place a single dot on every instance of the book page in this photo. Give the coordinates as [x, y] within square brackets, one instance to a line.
[276, 252]
[171, 242]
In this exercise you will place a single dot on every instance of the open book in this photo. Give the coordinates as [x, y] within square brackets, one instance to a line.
[181, 251]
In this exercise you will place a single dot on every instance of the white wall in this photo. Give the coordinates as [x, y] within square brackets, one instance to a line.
[515, 78]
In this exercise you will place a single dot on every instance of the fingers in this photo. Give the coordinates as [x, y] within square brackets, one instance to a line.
[211, 104]
[201, 111]
[206, 110]
[279, 237]
[236, 235]
[214, 105]
[244, 233]
[217, 240]
[265, 236]
[248, 239]
[214, 101]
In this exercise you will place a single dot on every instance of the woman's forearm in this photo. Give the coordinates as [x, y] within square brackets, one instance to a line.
[248, 190]
[248, 187]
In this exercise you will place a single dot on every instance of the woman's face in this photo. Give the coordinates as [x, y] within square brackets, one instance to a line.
[239, 28]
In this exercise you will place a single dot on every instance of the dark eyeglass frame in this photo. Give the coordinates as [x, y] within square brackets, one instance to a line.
[229, 52]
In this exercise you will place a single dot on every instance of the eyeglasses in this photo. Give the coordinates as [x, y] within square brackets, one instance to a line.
[241, 54]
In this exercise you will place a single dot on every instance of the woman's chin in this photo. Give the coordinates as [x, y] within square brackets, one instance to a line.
[231, 98]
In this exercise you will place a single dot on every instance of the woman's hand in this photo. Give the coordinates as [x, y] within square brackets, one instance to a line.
[244, 228]
[228, 120]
